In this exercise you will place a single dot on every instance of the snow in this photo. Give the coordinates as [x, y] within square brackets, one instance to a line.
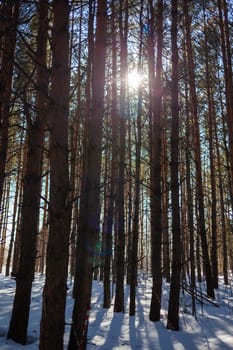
[211, 330]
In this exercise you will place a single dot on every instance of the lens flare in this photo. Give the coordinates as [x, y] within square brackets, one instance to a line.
[134, 79]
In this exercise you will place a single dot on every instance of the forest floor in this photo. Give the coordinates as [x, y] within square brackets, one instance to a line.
[211, 330]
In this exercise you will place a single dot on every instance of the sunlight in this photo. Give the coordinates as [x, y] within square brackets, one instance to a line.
[134, 79]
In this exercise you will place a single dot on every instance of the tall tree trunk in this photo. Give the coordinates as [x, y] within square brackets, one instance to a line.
[15, 208]
[133, 258]
[174, 297]
[120, 234]
[197, 150]
[54, 294]
[165, 199]
[113, 173]
[6, 76]
[190, 199]
[214, 255]
[17, 243]
[129, 205]
[31, 191]
[89, 218]
[214, 238]
[4, 223]
[156, 135]
[87, 112]
[75, 166]
[222, 210]
[43, 234]
[228, 75]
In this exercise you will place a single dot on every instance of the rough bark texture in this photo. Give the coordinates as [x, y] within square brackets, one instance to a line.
[31, 192]
[54, 295]
[89, 217]
[173, 308]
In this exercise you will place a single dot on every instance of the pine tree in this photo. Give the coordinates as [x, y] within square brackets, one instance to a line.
[54, 294]
[173, 308]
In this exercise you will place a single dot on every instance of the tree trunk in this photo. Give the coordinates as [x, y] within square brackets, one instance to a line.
[31, 193]
[87, 112]
[54, 294]
[156, 135]
[43, 235]
[15, 209]
[6, 76]
[174, 297]
[113, 173]
[4, 223]
[120, 234]
[227, 65]
[165, 200]
[133, 258]
[197, 150]
[17, 244]
[190, 199]
[222, 211]
[89, 217]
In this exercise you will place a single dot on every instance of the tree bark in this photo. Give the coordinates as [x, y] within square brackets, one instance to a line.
[108, 232]
[15, 209]
[135, 228]
[156, 141]
[174, 297]
[6, 76]
[228, 75]
[197, 150]
[89, 217]
[54, 294]
[120, 234]
[31, 191]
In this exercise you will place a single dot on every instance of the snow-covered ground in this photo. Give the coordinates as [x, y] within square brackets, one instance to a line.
[213, 328]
